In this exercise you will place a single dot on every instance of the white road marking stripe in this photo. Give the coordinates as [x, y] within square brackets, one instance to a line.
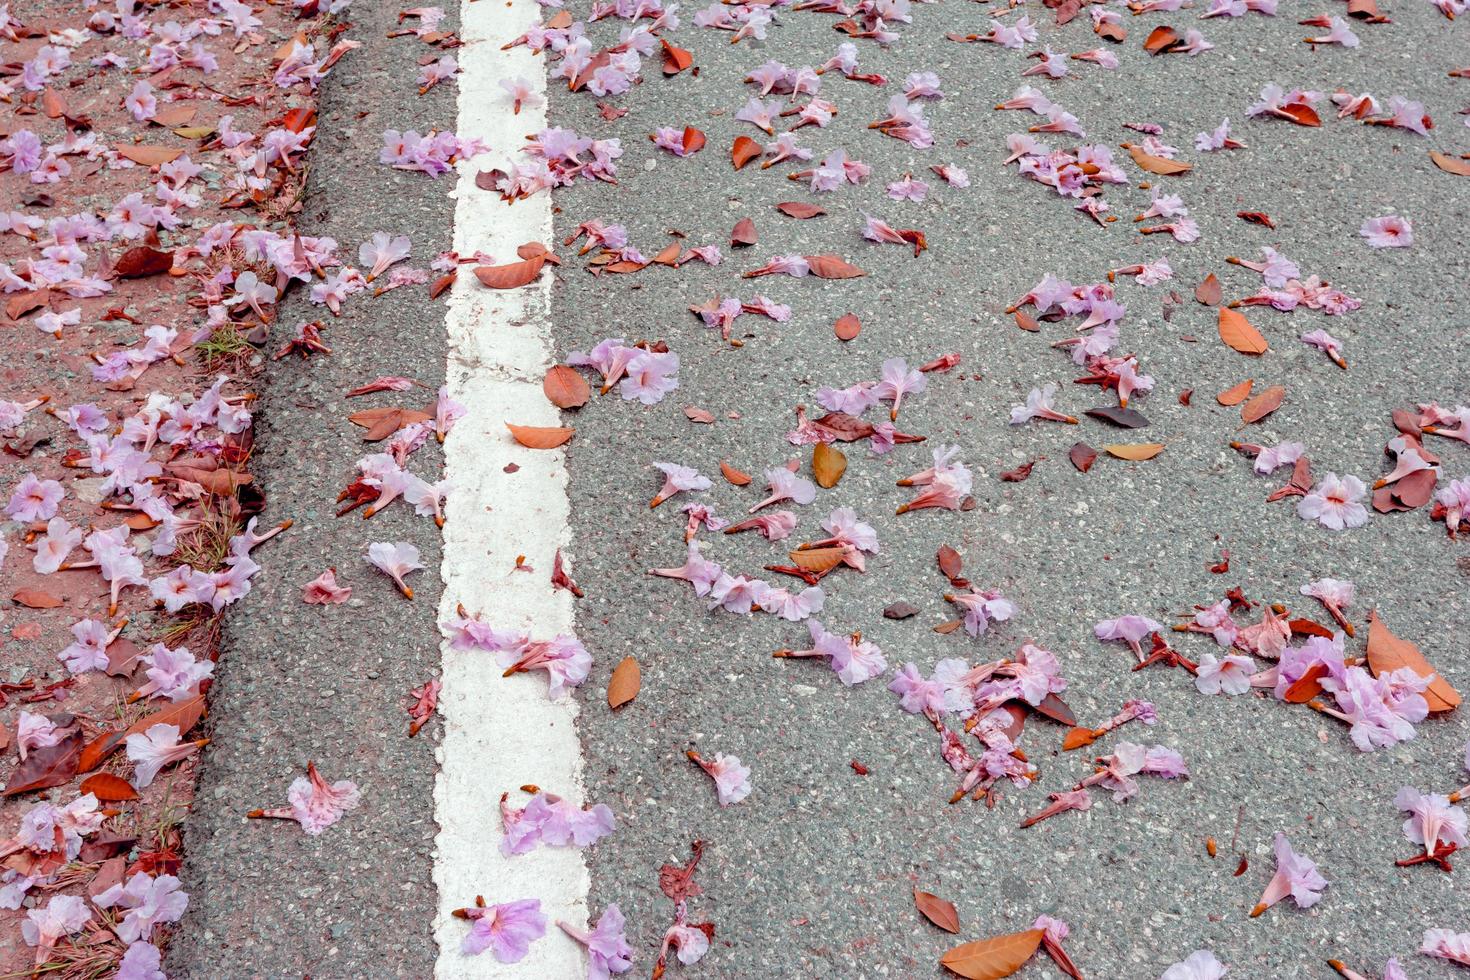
[501, 733]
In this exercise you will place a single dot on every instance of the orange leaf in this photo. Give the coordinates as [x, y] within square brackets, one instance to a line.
[1135, 450]
[832, 267]
[149, 156]
[1238, 333]
[185, 715]
[744, 151]
[54, 104]
[540, 437]
[173, 115]
[512, 275]
[675, 59]
[140, 262]
[1155, 164]
[1306, 687]
[1302, 115]
[1450, 165]
[565, 388]
[1236, 395]
[847, 327]
[1160, 39]
[693, 140]
[627, 678]
[818, 560]
[991, 959]
[108, 788]
[1262, 405]
[1078, 738]
[937, 911]
[734, 476]
[36, 599]
[669, 255]
[1208, 291]
[828, 465]
[1387, 653]
[1027, 322]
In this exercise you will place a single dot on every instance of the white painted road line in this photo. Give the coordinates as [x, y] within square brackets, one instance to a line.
[501, 733]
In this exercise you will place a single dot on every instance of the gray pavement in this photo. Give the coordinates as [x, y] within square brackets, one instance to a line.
[330, 684]
[811, 876]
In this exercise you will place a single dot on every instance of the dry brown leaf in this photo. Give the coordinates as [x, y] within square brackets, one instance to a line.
[743, 234]
[1082, 456]
[937, 911]
[627, 678]
[184, 715]
[53, 104]
[1208, 292]
[108, 788]
[1387, 653]
[540, 436]
[818, 560]
[173, 115]
[1160, 39]
[383, 421]
[149, 156]
[36, 599]
[1237, 394]
[1155, 164]
[1135, 451]
[512, 275]
[799, 209]
[565, 388]
[733, 476]
[828, 465]
[1450, 165]
[668, 255]
[1238, 333]
[951, 565]
[847, 327]
[744, 151]
[991, 959]
[832, 267]
[138, 263]
[47, 766]
[1262, 405]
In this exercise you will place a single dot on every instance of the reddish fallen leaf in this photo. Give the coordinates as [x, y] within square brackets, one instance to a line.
[1238, 333]
[900, 610]
[799, 209]
[944, 629]
[108, 788]
[744, 151]
[1256, 218]
[668, 255]
[47, 766]
[1082, 456]
[1262, 405]
[675, 59]
[426, 702]
[1056, 709]
[560, 579]
[626, 680]
[858, 767]
[1156, 164]
[184, 715]
[540, 436]
[1160, 39]
[1077, 738]
[1306, 687]
[1240, 868]
[1209, 292]
[1408, 493]
[383, 421]
[743, 234]
[512, 275]
[694, 140]
[1237, 394]
[937, 911]
[832, 267]
[149, 156]
[437, 288]
[36, 599]
[22, 303]
[565, 388]
[1186, 396]
[1026, 321]
[991, 959]
[700, 415]
[677, 881]
[818, 560]
[847, 327]
[1018, 474]
[140, 262]
[174, 115]
[1450, 165]
[1302, 115]
[1387, 653]
[122, 657]
[733, 476]
[951, 565]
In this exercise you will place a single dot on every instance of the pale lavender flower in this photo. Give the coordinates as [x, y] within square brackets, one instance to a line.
[1272, 458]
[897, 380]
[1388, 231]
[1433, 821]
[506, 930]
[395, 559]
[677, 479]
[149, 902]
[1130, 629]
[159, 746]
[142, 961]
[608, 951]
[651, 376]
[1296, 876]
[1443, 944]
[1335, 502]
[52, 549]
[696, 570]
[786, 485]
[1199, 965]
[44, 928]
[1230, 674]
[732, 780]
[982, 608]
[564, 658]
[34, 499]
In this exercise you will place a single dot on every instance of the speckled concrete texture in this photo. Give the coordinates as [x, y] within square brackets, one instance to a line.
[330, 684]
[812, 875]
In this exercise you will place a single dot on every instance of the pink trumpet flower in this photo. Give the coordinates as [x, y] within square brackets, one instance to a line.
[1295, 876]
[786, 485]
[677, 479]
[732, 780]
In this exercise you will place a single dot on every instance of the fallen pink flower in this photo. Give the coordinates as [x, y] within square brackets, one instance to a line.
[732, 780]
[1295, 876]
[314, 803]
[324, 590]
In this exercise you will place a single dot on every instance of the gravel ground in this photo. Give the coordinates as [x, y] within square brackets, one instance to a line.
[330, 684]
[811, 876]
